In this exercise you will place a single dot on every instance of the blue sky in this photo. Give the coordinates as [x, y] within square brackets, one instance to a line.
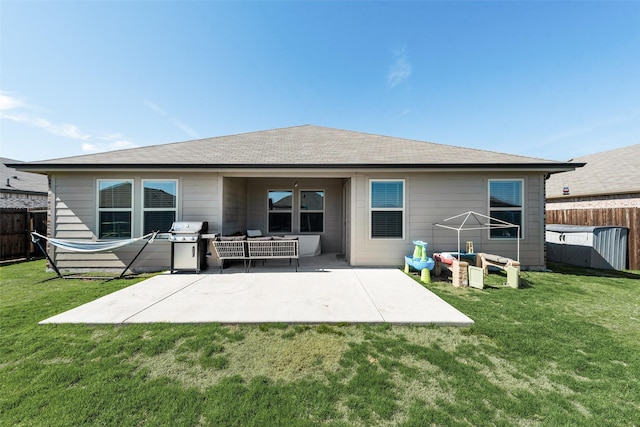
[555, 80]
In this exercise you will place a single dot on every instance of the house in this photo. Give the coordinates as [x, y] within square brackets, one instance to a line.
[605, 192]
[367, 196]
[19, 190]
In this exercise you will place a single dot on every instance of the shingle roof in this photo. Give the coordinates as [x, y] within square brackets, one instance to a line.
[298, 147]
[605, 173]
[15, 181]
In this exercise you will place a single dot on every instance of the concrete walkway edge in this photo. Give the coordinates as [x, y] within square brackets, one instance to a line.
[343, 295]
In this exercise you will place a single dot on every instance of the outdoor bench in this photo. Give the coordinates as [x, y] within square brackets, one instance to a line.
[257, 248]
[231, 247]
[262, 248]
[510, 266]
[496, 261]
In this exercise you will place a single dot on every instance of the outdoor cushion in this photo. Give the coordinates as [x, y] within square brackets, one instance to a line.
[496, 258]
[443, 258]
[231, 238]
[260, 238]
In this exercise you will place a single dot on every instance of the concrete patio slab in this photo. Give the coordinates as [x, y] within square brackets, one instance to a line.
[351, 295]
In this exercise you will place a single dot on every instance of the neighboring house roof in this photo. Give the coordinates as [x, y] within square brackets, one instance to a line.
[299, 147]
[16, 181]
[605, 173]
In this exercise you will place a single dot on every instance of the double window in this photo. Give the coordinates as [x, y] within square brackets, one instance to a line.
[310, 211]
[387, 209]
[506, 204]
[116, 206]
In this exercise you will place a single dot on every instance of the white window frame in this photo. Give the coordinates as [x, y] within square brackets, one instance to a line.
[99, 210]
[521, 209]
[322, 211]
[143, 209]
[290, 211]
[403, 209]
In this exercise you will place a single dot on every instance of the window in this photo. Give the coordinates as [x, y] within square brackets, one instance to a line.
[280, 211]
[311, 211]
[505, 203]
[387, 209]
[115, 201]
[159, 205]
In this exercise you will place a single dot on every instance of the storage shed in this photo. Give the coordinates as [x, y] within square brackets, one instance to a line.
[602, 247]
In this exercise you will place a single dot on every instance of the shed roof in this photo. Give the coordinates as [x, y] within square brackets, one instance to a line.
[605, 173]
[304, 146]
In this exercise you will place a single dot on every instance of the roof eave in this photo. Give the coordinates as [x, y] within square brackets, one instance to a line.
[59, 167]
[613, 194]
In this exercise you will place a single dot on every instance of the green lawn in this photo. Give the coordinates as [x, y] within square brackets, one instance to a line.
[563, 350]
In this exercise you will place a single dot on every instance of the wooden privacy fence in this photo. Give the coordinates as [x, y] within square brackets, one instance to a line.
[15, 225]
[622, 217]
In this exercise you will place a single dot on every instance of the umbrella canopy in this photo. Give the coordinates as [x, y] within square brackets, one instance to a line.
[476, 221]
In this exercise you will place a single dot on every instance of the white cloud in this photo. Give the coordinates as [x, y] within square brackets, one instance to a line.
[186, 129]
[63, 129]
[9, 103]
[177, 123]
[91, 143]
[67, 130]
[155, 108]
[400, 70]
[111, 142]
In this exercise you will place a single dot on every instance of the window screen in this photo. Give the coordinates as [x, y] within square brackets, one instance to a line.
[387, 209]
[506, 204]
[159, 205]
[114, 209]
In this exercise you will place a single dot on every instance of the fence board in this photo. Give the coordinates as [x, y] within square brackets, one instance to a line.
[622, 217]
[15, 224]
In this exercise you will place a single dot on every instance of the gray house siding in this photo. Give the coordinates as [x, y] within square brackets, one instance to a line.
[74, 216]
[434, 196]
[234, 206]
[200, 198]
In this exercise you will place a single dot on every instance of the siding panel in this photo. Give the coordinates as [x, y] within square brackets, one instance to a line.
[433, 197]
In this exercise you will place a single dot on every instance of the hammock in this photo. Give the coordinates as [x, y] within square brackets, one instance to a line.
[91, 247]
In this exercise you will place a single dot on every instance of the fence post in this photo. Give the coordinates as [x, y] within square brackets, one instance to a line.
[27, 246]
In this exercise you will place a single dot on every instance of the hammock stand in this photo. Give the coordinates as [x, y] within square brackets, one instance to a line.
[90, 247]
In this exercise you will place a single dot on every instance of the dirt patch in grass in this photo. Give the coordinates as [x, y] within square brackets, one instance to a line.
[305, 354]
[508, 377]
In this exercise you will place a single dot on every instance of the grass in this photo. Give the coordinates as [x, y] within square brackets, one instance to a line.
[563, 350]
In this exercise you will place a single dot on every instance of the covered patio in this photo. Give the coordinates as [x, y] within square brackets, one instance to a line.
[291, 203]
[324, 290]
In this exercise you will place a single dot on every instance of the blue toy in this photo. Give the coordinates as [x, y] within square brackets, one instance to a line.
[420, 261]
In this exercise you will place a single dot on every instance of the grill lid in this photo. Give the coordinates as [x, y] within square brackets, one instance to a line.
[186, 227]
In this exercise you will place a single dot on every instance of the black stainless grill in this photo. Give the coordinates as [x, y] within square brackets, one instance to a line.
[188, 249]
